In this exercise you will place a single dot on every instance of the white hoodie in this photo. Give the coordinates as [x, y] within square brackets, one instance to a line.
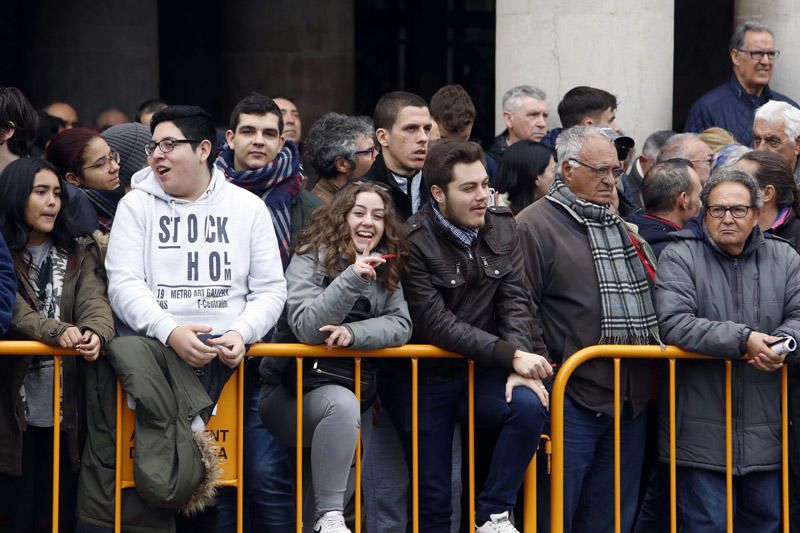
[213, 262]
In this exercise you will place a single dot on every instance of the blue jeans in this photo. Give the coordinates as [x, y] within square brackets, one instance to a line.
[589, 468]
[268, 496]
[702, 501]
[520, 423]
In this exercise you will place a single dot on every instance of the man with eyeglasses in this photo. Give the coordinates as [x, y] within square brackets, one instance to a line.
[194, 275]
[732, 106]
[776, 129]
[591, 281]
[727, 290]
[691, 147]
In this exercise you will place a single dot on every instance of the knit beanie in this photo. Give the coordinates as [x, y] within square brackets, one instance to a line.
[129, 140]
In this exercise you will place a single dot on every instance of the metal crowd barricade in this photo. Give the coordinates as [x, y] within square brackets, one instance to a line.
[672, 354]
[299, 352]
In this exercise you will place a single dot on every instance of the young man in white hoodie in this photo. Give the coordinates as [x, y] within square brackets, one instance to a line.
[195, 273]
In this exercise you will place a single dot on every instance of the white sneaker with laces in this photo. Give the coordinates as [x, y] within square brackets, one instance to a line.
[498, 523]
[332, 522]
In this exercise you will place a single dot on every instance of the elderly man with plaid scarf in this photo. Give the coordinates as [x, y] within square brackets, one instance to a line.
[591, 282]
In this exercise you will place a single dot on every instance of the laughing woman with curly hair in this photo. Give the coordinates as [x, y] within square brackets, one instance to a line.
[343, 290]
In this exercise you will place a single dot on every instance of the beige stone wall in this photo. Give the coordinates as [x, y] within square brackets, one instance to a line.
[622, 46]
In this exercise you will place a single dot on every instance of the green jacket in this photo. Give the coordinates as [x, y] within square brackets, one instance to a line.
[83, 304]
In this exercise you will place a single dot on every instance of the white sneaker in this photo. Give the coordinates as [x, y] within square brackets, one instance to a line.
[498, 523]
[332, 522]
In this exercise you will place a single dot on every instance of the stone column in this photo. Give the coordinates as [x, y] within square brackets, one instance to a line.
[622, 46]
[781, 16]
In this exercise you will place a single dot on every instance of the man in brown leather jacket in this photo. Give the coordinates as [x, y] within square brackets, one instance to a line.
[466, 293]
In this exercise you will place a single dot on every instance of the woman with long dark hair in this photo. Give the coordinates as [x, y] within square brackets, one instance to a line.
[525, 174]
[343, 290]
[61, 301]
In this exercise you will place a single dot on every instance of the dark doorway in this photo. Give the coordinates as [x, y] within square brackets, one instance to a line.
[702, 33]
[419, 46]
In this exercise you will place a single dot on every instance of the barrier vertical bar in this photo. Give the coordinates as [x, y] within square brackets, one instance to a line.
[56, 437]
[471, 428]
[358, 447]
[617, 446]
[673, 485]
[415, 444]
[529, 521]
[118, 469]
[728, 448]
[240, 449]
[299, 444]
[785, 445]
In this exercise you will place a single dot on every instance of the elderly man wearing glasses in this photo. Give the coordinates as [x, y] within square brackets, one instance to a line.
[728, 290]
[732, 105]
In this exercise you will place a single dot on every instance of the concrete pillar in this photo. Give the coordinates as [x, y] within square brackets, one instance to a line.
[622, 46]
[781, 16]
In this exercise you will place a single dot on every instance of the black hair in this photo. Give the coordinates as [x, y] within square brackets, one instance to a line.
[390, 105]
[443, 155]
[17, 112]
[193, 121]
[16, 184]
[255, 104]
[581, 102]
[47, 128]
[523, 162]
[152, 105]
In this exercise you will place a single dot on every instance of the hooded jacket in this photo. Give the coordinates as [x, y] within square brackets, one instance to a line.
[709, 302]
[657, 231]
[212, 261]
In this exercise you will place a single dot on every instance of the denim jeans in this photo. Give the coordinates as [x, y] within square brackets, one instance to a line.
[520, 423]
[269, 495]
[589, 468]
[701, 496]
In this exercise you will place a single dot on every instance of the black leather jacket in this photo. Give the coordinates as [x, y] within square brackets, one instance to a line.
[473, 301]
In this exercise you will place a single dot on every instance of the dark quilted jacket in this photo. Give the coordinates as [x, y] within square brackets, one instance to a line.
[730, 107]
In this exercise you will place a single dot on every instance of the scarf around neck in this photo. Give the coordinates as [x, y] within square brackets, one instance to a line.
[277, 184]
[627, 314]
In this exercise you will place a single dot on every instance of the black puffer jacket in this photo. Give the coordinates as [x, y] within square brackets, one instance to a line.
[708, 302]
[472, 301]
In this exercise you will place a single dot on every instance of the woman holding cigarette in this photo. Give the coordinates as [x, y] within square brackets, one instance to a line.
[344, 291]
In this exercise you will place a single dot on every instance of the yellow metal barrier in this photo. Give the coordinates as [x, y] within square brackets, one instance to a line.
[617, 353]
[298, 351]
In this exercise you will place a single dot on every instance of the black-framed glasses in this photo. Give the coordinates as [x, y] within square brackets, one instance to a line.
[737, 211]
[707, 160]
[601, 172]
[758, 55]
[368, 151]
[105, 161]
[167, 145]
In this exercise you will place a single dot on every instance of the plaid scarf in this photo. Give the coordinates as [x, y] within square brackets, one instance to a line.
[627, 315]
[465, 237]
[105, 205]
[278, 184]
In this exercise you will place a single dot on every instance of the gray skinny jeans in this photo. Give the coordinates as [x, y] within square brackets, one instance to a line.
[331, 419]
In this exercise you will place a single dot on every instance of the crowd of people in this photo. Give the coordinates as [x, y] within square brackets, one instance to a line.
[160, 249]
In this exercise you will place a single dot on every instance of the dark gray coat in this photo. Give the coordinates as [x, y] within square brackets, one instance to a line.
[708, 302]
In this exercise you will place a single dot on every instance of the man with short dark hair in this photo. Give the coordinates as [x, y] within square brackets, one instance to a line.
[194, 276]
[731, 106]
[466, 294]
[402, 125]
[148, 108]
[725, 289]
[525, 113]
[292, 125]
[259, 158]
[452, 109]
[590, 282]
[65, 112]
[584, 106]
[671, 197]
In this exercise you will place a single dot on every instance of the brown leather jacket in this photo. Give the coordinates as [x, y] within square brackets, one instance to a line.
[84, 303]
[473, 301]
